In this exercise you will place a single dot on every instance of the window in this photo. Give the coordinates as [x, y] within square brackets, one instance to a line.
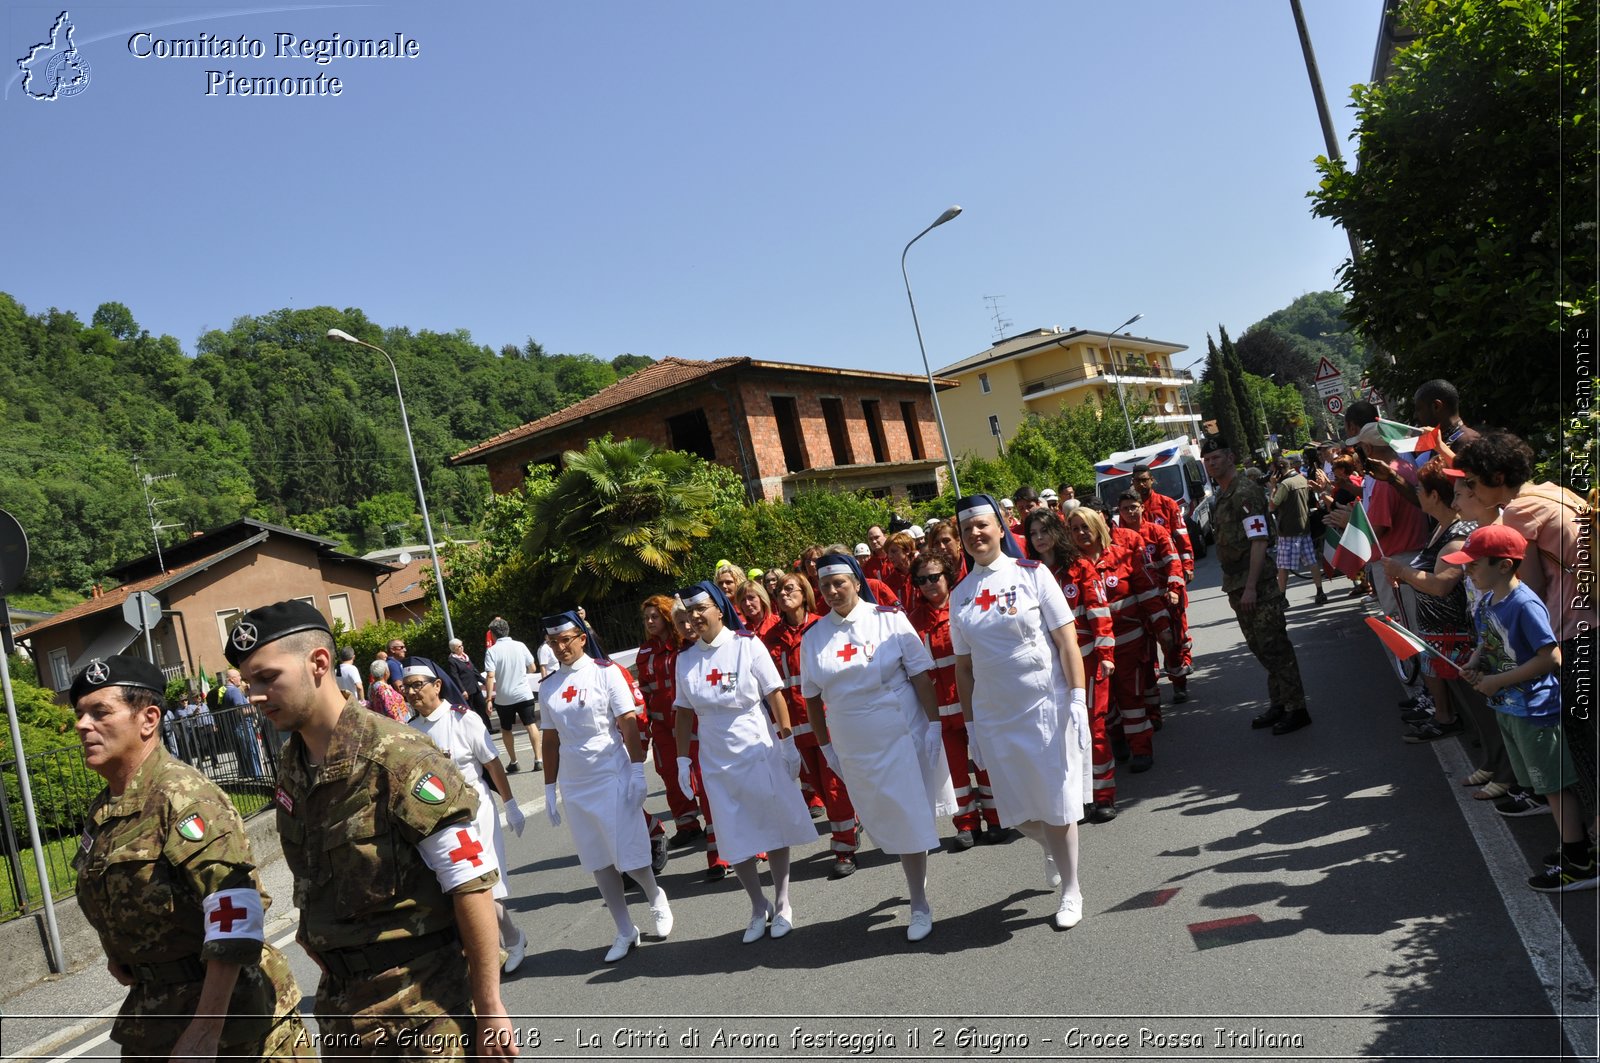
[983, 383]
[60, 671]
[994, 425]
[309, 599]
[880, 447]
[226, 618]
[924, 492]
[339, 607]
[838, 434]
[788, 417]
[692, 432]
[908, 414]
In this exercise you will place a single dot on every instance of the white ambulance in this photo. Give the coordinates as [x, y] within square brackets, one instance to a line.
[1175, 467]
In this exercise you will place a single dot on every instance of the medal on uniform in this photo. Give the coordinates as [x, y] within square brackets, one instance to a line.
[730, 680]
[871, 648]
[1010, 597]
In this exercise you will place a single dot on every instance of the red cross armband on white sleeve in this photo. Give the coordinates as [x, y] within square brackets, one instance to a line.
[1255, 527]
[456, 855]
[234, 914]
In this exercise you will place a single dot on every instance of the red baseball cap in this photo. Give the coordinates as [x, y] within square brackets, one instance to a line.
[1491, 540]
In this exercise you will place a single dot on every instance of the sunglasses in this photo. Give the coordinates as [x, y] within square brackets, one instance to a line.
[930, 578]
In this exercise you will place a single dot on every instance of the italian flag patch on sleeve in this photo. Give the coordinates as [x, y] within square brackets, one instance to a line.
[192, 827]
[429, 790]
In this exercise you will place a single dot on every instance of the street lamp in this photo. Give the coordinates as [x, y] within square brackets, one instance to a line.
[422, 500]
[1111, 360]
[938, 416]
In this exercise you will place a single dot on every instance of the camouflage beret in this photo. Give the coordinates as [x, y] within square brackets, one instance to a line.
[118, 671]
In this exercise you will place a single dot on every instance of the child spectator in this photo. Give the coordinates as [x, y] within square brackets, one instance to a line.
[1513, 666]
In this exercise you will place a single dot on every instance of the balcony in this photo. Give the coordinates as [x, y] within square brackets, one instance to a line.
[1121, 372]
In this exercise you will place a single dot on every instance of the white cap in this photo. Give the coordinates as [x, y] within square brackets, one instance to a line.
[1047, 494]
[929, 523]
[862, 550]
[1006, 503]
[916, 532]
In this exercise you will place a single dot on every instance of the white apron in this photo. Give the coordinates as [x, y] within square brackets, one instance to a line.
[464, 739]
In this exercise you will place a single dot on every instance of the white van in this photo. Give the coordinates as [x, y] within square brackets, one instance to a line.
[1175, 466]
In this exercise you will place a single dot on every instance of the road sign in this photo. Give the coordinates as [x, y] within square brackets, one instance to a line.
[142, 610]
[1330, 387]
[1326, 370]
[1334, 403]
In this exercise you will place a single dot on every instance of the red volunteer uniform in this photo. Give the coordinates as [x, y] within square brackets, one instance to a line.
[1160, 509]
[1091, 622]
[657, 662]
[1138, 612]
[974, 798]
[820, 784]
[1161, 563]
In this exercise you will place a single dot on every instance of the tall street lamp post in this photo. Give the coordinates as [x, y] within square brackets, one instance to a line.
[1110, 360]
[416, 473]
[938, 415]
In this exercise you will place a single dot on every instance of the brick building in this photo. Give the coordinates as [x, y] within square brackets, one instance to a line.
[783, 428]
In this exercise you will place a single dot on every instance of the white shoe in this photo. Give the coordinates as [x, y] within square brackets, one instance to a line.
[1052, 875]
[514, 954]
[623, 944]
[758, 927]
[1070, 914]
[661, 912]
[781, 925]
[921, 926]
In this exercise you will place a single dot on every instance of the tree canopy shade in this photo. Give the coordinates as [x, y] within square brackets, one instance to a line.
[1474, 202]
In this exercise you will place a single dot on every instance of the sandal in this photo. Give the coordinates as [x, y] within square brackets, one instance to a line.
[1478, 778]
[1493, 791]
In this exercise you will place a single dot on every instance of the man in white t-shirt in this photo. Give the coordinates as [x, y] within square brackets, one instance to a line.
[510, 687]
[348, 679]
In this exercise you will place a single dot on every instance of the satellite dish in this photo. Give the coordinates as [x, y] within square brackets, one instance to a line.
[1170, 408]
[13, 553]
[405, 557]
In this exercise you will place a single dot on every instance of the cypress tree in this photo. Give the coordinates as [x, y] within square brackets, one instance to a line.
[1224, 409]
[1252, 418]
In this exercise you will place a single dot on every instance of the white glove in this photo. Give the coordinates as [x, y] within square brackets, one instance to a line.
[974, 752]
[830, 757]
[637, 788]
[685, 783]
[933, 742]
[1080, 715]
[515, 818]
[791, 756]
[550, 809]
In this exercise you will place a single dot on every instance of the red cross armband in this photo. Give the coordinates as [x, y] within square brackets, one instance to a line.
[1255, 527]
[234, 915]
[456, 855]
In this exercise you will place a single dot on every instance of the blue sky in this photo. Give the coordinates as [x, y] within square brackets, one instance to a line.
[697, 179]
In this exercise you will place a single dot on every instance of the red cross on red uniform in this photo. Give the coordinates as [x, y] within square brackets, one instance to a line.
[569, 694]
[226, 915]
[714, 676]
[848, 652]
[469, 850]
[986, 599]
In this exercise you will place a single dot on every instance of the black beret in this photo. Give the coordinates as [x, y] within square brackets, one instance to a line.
[269, 624]
[1214, 443]
[118, 671]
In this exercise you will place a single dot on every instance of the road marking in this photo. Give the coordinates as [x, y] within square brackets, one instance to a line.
[1566, 979]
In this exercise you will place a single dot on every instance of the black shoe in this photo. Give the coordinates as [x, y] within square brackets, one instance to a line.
[1431, 729]
[686, 836]
[1320, 599]
[1103, 812]
[994, 834]
[658, 853]
[964, 840]
[1292, 722]
[1119, 749]
[1141, 762]
[717, 872]
[538, 765]
[818, 812]
[1269, 718]
[1155, 723]
[1180, 696]
[513, 768]
[843, 867]
[1409, 703]
[1416, 716]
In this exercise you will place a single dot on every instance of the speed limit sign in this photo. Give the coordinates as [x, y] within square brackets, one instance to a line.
[1334, 403]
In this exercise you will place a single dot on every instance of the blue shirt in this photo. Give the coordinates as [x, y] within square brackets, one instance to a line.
[1512, 632]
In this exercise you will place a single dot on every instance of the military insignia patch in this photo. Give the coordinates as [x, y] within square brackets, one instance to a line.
[193, 827]
[98, 673]
[430, 790]
[1070, 590]
[244, 636]
[285, 802]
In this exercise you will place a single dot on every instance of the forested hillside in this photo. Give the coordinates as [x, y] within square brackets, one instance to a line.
[267, 419]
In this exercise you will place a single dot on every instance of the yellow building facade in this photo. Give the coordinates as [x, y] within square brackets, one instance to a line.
[1043, 370]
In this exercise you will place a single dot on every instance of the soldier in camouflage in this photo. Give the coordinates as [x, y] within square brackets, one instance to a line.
[390, 874]
[166, 878]
[1244, 535]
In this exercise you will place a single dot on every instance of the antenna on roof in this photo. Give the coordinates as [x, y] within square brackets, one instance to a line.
[1000, 323]
[150, 504]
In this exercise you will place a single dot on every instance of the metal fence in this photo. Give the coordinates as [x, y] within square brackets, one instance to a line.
[233, 747]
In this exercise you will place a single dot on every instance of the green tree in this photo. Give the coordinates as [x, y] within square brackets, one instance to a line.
[1217, 398]
[620, 512]
[1474, 203]
[1252, 419]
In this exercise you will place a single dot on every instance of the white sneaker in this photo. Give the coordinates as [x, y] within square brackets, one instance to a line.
[1070, 914]
[623, 944]
[921, 925]
[514, 954]
[1052, 875]
[661, 912]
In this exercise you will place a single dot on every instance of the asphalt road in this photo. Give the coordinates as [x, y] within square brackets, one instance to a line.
[1330, 893]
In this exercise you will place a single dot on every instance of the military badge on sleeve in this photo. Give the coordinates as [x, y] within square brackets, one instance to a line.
[193, 828]
[1255, 527]
[429, 790]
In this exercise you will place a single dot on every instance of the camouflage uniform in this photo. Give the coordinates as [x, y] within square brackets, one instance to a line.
[371, 911]
[146, 862]
[1264, 630]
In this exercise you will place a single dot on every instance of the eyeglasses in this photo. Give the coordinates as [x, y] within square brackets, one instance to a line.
[930, 578]
[418, 686]
[558, 641]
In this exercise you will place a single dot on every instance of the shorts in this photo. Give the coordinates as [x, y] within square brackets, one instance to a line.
[512, 711]
[1296, 553]
[1539, 757]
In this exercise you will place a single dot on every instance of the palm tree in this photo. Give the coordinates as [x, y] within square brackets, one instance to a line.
[621, 512]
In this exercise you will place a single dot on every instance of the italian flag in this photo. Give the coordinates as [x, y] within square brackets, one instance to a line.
[1407, 441]
[1400, 641]
[1350, 550]
[193, 828]
[430, 790]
